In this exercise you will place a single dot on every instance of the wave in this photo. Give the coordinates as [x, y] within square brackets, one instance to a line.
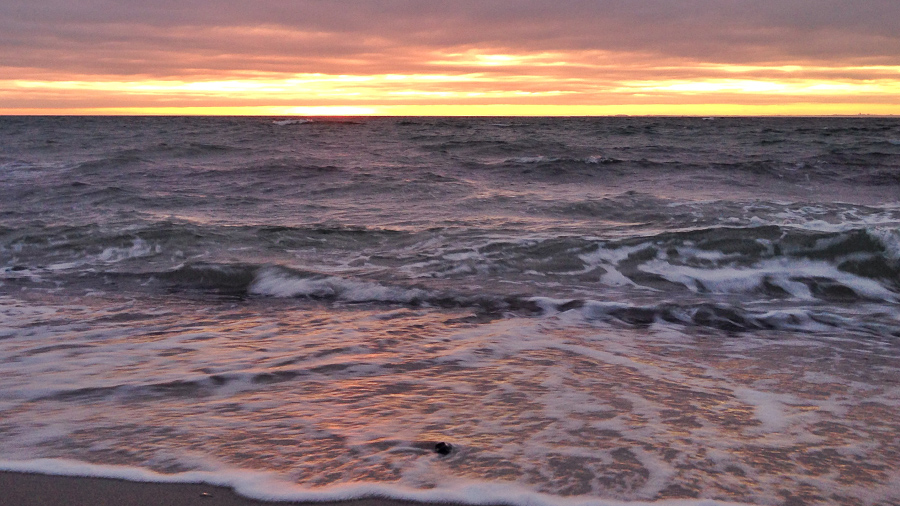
[869, 168]
[269, 486]
[81, 249]
[757, 263]
[540, 159]
[766, 261]
[285, 122]
[223, 278]
[714, 316]
[119, 160]
[282, 282]
[858, 263]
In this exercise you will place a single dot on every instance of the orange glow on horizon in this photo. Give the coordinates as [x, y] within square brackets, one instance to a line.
[474, 83]
[524, 58]
[796, 109]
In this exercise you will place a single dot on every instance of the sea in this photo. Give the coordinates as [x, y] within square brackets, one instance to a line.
[585, 311]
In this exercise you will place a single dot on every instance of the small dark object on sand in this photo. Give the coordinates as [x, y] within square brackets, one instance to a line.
[443, 448]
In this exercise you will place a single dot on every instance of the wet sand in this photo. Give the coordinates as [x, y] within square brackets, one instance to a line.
[27, 489]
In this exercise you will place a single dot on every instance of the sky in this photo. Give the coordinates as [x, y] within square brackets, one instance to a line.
[455, 57]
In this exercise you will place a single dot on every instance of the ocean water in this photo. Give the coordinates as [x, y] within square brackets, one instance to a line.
[589, 310]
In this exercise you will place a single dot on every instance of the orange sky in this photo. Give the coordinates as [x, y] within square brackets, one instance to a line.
[534, 57]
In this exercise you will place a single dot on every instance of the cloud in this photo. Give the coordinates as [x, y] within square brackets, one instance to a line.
[567, 51]
[165, 37]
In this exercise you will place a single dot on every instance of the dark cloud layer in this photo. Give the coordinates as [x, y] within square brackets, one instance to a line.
[195, 37]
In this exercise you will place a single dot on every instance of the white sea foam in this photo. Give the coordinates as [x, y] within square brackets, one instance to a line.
[111, 255]
[279, 283]
[612, 255]
[890, 239]
[272, 487]
[283, 122]
[529, 159]
[782, 272]
[609, 259]
[820, 219]
[139, 248]
[534, 391]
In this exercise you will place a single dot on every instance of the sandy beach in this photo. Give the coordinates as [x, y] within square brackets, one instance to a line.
[28, 489]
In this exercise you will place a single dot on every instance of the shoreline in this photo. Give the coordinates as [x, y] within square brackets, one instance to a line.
[21, 488]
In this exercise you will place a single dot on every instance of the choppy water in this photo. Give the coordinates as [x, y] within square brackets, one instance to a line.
[587, 309]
